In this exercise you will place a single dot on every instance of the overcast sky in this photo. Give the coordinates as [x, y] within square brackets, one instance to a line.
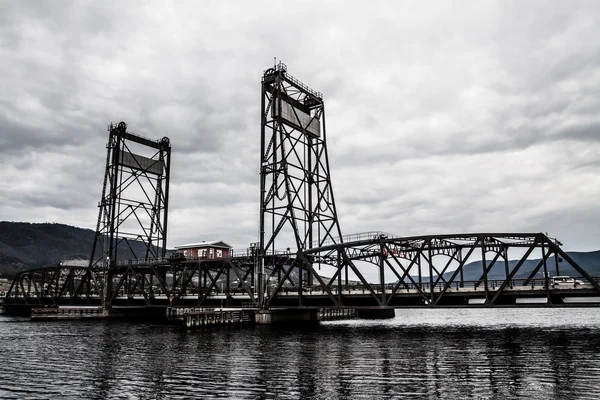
[442, 117]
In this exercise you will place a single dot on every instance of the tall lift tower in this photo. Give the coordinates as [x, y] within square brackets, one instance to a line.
[133, 209]
[297, 207]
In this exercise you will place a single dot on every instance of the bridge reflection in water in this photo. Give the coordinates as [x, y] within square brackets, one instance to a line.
[420, 271]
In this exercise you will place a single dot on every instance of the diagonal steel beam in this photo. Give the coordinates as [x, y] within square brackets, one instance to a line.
[406, 274]
[243, 283]
[280, 283]
[565, 256]
[536, 269]
[456, 272]
[423, 295]
[213, 282]
[430, 261]
[514, 271]
[325, 287]
[362, 279]
[161, 281]
[452, 257]
[184, 285]
[115, 291]
[489, 268]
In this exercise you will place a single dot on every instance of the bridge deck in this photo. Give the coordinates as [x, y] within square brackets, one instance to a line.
[427, 271]
[357, 297]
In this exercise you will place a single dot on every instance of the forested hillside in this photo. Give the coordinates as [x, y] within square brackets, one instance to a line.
[25, 245]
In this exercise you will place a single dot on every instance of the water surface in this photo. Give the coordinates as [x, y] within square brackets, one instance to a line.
[429, 354]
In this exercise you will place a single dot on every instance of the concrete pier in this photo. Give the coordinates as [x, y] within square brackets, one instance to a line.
[333, 314]
[203, 317]
[293, 316]
[68, 312]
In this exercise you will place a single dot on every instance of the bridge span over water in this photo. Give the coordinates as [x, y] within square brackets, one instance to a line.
[418, 271]
[321, 269]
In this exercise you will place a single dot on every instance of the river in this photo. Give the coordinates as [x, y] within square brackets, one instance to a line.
[428, 354]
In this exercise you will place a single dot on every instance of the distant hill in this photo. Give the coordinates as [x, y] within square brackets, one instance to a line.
[25, 245]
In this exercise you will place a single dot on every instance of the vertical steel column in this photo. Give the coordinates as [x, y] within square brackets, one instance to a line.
[484, 263]
[228, 283]
[339, 275]
[505, 251]
[300, 286]
[113, 203]
[460, 266]
[430, 261]
[546, 280]
[556, 260]
[309, 200]
[295, 183]
[382, 254]
[166, 148]
[346, 274]
[258, 262]
[420, 272]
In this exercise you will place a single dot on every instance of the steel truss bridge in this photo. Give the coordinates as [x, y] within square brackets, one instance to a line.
[419, 265]
[129, 269]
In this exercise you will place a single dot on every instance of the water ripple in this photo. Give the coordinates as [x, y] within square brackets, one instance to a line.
[428, 354]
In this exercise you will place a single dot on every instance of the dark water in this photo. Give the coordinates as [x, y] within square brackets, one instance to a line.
[449, 354]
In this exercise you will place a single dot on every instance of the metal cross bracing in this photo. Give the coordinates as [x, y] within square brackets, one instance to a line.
[296, 193]
[429, 270]
[319, 268]
[133, 209]
[161, 282]
[297, 208]
[135, 197]
[418, 271]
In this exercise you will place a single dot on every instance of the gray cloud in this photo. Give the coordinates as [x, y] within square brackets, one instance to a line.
[439, 118]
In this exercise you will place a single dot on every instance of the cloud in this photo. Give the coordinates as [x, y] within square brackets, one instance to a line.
[440, 118]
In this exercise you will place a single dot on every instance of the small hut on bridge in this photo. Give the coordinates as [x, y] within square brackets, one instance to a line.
[209, 250]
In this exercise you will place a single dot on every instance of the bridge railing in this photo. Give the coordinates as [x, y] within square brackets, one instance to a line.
[358, 289]
[440, 286]
[356, 237]
[252, 253]
[151, 260]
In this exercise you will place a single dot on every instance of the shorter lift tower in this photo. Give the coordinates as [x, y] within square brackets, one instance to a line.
[132, 220]
[297, 207]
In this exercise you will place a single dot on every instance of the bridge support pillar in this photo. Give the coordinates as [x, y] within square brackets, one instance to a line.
[382, 313]
[271, 317]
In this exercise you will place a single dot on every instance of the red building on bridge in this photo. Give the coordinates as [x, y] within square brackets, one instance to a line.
[210, 250]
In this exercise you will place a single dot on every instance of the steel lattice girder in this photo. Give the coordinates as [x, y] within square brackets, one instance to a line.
[133, 207]
[78, 285]
[295, 184]
[171, 280]
[389, 252]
